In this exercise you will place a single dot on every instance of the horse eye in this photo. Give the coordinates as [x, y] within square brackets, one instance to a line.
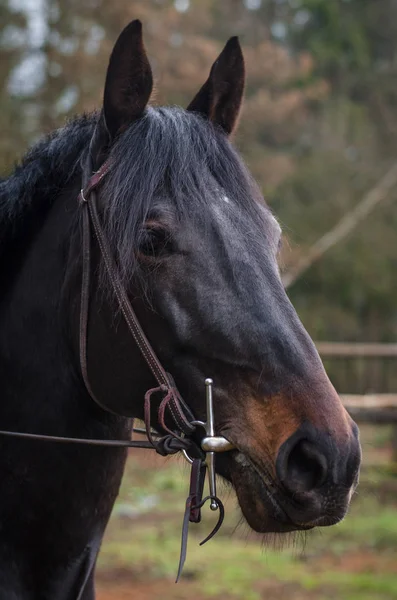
[155, 241]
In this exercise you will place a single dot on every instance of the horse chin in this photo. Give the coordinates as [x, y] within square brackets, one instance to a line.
[258, 500]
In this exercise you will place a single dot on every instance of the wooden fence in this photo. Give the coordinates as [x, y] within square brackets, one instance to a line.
[365, 375]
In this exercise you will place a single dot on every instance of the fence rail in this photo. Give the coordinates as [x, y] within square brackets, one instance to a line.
[360, 368]
[367, 371]
[346, 349]
[371, 408]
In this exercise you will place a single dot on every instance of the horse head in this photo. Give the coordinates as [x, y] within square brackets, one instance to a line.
[196, 250]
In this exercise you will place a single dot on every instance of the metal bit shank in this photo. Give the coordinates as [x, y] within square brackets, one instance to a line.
[210, 431]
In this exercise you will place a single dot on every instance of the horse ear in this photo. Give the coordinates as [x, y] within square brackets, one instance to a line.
[221, 96]
[129, 80]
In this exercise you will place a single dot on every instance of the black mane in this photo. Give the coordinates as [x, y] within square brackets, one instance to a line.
[167, 152]
[42, 174]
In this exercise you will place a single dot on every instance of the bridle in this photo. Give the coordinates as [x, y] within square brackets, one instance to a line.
[173, 439]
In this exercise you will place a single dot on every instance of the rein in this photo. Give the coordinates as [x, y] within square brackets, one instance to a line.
[171, 440]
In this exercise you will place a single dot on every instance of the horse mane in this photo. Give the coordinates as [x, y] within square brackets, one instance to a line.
[169, 152]
[44, 171]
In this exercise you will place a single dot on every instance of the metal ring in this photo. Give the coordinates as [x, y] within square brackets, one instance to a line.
[199, 423]
[187, 457]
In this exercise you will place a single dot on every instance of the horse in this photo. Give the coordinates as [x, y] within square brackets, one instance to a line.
[194, 247]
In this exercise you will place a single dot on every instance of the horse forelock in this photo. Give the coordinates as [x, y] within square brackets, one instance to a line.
[173, 158]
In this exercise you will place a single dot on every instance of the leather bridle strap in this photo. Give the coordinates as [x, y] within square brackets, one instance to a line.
[85, 441]
[193, 506]
[180, 413]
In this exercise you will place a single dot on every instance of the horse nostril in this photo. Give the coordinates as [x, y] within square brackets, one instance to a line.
[305, 467]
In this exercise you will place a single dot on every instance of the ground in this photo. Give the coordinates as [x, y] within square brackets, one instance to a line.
[356, 560]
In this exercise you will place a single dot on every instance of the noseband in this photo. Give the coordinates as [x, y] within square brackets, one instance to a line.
[179, 437]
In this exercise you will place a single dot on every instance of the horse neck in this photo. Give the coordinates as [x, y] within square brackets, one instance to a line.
[70, 490]
[37, 361]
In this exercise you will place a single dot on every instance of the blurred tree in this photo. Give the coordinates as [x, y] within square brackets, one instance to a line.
[12, 37]
[183, 39]
[318, 129]
[351, 141]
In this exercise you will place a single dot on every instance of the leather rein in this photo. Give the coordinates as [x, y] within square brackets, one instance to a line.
[171, 440]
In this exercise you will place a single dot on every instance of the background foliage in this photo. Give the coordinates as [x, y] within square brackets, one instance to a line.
[318, 129]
